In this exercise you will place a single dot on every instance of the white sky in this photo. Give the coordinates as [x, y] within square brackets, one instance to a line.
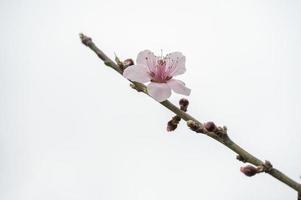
[71, 128]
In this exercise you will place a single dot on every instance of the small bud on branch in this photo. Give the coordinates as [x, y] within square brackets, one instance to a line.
[210, 126]
[197, 127]
[249, 170]
[128, 62]
[184, 104]
[173, 123]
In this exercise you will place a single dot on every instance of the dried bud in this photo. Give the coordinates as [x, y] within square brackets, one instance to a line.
[195, 126]
[128, 62]
[210, 126]
[249, 170]
[184, 104]
[267, 166]
[171, 126]
[176, 119]
[173, 123]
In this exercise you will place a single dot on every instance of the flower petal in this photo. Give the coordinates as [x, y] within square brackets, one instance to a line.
[138, 73]
[148, 59]
[159, 91]
[178, 87]
[176, 63]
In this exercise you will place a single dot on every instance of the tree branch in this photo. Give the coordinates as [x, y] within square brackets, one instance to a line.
[219, 134]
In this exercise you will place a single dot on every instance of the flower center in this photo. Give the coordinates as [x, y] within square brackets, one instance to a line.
[161, 63]
[160, 73]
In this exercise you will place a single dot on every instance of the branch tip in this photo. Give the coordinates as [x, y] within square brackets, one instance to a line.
[85, 39]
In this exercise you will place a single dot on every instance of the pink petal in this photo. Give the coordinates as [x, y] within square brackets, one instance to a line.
[159, 91]
[138, 73]
[176, 61]
[178, 87]
[147, 58]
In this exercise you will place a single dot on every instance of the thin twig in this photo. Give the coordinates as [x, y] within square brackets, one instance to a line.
[243, 155]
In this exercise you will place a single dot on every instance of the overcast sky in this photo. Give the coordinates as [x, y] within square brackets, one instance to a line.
[72, 129]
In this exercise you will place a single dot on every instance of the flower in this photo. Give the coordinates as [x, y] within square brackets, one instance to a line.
[159, 71]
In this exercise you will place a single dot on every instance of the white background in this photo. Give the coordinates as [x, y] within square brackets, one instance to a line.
[72, 129]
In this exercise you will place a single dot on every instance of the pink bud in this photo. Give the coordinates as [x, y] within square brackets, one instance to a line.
[210, 126]
[249, 170]
[128, 62]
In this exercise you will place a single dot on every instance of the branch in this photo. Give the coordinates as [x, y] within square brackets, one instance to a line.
[217, 133]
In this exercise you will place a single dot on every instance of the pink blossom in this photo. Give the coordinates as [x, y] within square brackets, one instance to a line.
[159, 71]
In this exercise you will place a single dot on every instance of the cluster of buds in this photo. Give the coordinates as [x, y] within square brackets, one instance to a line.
[208, 128]
[203, 128]
[173, 123]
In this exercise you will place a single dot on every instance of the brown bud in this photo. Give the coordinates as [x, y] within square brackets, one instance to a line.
[173, 123]
[171, 126]
[249, 170]
[195, 126]
[210, 126]
[184, 104]
[128, 62]
[176, 119]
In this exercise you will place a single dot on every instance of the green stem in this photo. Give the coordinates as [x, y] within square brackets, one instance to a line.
[245, 155]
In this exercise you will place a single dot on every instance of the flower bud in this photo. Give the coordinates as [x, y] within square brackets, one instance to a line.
[171, 126]
[128, 62]
[184, 102]
[249, 170]
[210, 126]
[173, 123]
